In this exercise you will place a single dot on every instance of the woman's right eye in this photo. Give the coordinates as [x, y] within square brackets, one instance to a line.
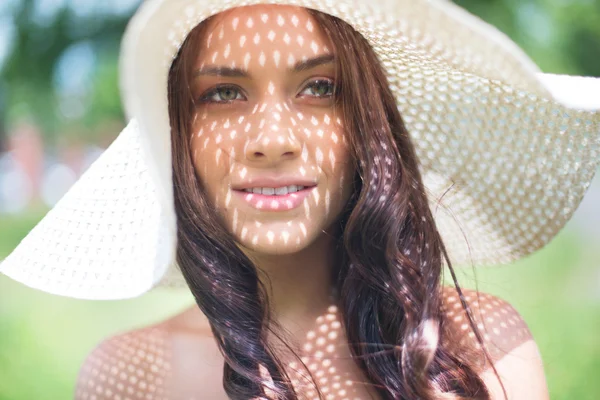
[222, 94]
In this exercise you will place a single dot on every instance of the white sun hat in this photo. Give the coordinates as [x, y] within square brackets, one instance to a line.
[511, 150]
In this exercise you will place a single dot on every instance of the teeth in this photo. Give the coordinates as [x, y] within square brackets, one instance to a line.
[283, 190]
[275, 191]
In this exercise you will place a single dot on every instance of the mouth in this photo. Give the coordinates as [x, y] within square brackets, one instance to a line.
[275, 202]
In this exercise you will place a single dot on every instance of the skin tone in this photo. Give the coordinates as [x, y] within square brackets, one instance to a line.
[264, 85]
[154, 362]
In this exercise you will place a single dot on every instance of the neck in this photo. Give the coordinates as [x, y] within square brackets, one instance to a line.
[299, 285]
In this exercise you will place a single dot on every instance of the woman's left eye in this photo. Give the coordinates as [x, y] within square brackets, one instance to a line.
[222, 94]
[319, 88]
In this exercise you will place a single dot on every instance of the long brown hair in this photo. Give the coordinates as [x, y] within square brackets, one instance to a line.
[389, 252]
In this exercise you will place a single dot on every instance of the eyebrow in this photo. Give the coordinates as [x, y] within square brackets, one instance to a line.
[303, 65]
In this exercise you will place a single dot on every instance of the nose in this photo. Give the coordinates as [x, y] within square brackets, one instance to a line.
[275, 139]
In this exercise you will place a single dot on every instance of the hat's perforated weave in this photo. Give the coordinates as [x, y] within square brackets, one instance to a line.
[516, 162]
[509, 164]
[105, 236]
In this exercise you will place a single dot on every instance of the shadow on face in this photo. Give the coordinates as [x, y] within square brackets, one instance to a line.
[267, 142]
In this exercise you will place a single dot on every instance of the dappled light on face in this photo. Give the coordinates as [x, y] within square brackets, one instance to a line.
[264, 82]
[266, 36]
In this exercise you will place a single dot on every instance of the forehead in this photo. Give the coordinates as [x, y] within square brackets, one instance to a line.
[282, 33]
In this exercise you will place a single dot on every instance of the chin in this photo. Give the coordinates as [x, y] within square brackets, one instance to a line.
[296, 242]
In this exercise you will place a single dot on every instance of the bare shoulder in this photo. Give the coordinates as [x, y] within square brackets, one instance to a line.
[150, 362]
[500, 324]
[126, 365]
[507, 339]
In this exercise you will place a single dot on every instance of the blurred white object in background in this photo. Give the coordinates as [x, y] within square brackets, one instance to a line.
[579, 92]
[16, 188]
[92, 152]
[586, 220]
[57, 179]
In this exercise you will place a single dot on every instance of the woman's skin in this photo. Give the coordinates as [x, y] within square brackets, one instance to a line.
[282, 122]
[179, 359]
[263, 81]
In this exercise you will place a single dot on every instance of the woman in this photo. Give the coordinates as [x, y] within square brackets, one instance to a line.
[330, 291]
[277, 122]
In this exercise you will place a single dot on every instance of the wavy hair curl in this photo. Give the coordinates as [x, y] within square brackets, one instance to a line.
[389, 253]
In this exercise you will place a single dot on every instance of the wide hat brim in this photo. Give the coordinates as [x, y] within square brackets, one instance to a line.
[506, 152]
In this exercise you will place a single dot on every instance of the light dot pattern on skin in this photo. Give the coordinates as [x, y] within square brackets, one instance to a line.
[131, 366]
[138, 364]
[325, 355]
[279, 121]
[500, 325]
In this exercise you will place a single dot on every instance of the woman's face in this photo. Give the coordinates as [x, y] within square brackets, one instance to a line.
[263, 83]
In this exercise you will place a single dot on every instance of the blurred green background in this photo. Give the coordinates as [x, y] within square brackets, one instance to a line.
[58, 61]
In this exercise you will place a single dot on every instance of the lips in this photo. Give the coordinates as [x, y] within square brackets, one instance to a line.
[274, 202]
[274, 182]
[275, 190]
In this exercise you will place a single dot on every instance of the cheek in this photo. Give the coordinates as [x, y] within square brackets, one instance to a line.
[212, 146]
[330, 150]
[333, 157]
[343, 173]
[209, 164]
[217, 142]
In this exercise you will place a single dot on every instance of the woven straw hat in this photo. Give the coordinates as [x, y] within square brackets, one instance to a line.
[511, 150]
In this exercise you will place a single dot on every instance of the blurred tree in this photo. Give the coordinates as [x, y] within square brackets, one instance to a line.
[561, 36]
[30, 71]
[583, 36]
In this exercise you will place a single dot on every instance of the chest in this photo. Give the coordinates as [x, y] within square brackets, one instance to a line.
[325, 366]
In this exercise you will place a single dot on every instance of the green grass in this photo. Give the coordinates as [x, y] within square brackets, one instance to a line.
[44, 338]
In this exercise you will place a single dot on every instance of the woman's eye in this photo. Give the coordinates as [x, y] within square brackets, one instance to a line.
[319, 88]
[222, 94]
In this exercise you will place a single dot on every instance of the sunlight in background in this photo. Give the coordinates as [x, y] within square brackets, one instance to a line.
[7, 32]
[73, 76]
[535, 22]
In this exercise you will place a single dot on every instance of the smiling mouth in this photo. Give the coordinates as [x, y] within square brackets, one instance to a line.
[275, 202]
[304, 188]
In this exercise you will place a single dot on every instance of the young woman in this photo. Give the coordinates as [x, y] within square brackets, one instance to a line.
[303, 223]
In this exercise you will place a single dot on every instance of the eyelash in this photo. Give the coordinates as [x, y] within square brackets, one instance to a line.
[206, 98]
